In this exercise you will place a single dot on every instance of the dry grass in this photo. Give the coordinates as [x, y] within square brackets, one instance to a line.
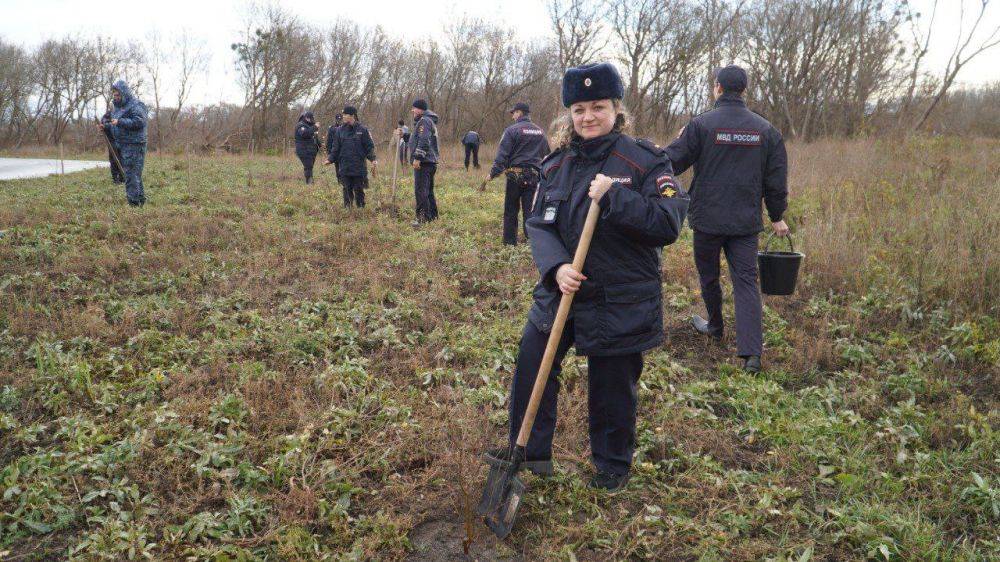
[243, 370]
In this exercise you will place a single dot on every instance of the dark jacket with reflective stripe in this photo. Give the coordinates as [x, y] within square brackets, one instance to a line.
[423, 145]
[739, 160]
[352, 144]
[619, 308]
[523, 144]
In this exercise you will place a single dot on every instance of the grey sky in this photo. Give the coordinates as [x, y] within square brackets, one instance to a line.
[218, 23]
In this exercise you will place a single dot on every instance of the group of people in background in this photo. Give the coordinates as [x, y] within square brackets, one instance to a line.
[740, 170]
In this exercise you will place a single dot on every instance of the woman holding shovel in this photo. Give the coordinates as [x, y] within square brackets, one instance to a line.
[611, 307]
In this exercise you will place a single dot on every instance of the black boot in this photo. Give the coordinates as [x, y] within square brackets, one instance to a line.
[701, 326]
[611, 483]
[751, 363]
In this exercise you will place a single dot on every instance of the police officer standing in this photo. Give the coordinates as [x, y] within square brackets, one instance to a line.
[352, 144]
[739, 160]
[423, 148]
[617, 312]
[519, 156]
[471, 142]
[307, 143]
[331, 133]
[127, 126]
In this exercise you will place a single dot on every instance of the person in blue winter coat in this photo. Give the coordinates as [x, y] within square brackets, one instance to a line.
[617, 311]
[307, 143]
[127, 126]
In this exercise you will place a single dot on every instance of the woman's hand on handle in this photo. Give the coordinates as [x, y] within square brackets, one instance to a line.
[600, 186]
[780, 228]
[569, 279]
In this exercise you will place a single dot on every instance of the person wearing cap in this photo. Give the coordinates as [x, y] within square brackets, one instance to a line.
[519, 156]
[423, 148]
[307, 143]
[739, 161]
[471, 142]
[617, 311]
[352, 144]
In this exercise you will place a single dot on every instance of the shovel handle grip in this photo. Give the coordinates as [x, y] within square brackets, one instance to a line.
[557, 328]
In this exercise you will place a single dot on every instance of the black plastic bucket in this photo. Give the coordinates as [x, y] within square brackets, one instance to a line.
[779, 270]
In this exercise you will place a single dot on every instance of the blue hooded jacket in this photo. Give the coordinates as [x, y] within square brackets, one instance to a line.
[131, 116]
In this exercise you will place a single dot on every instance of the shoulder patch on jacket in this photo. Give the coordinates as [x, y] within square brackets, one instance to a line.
[552, 161]
[649, 145]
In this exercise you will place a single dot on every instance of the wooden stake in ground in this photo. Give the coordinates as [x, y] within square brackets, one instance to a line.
[62, 165]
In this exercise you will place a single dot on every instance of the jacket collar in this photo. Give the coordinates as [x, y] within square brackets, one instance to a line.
[730, 99]
[595, 149]
[523, 119]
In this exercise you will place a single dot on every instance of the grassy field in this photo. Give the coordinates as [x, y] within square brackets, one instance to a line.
[242, 370]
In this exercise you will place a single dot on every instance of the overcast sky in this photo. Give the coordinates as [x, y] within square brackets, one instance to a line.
[218, 23]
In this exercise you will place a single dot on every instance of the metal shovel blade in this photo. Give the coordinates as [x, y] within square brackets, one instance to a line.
[501, 498]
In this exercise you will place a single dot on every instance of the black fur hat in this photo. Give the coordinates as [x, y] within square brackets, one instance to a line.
[592, 82]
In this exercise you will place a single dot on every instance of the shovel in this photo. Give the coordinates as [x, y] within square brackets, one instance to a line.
[502, 494]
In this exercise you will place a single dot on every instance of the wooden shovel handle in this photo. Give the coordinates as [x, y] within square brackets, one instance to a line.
[557, 328]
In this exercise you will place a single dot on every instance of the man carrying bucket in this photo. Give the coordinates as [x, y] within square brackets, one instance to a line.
[739, 161]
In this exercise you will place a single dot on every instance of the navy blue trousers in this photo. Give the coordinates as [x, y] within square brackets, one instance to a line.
[133, 160]
[423, 192]
[612, 399]
[741, 254]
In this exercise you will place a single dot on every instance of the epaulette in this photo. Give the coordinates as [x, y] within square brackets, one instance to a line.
[649, 145]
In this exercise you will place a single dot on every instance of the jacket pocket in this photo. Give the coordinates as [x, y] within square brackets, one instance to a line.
[631, 309]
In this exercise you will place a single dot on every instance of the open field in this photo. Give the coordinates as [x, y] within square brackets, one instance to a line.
[242, 370]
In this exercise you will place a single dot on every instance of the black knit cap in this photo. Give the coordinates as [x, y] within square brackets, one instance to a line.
[420, 104]
[350, 110]
[732, 79]
[522, 107]
[592, 82]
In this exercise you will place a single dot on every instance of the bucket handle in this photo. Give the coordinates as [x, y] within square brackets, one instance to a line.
[770, 237]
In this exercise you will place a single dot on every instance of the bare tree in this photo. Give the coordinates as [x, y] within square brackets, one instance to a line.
[963, 52]
[578, 25]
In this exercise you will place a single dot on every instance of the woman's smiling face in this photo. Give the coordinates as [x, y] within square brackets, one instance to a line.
[592, 119]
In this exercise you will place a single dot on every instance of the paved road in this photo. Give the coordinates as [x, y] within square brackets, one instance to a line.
[17, 168]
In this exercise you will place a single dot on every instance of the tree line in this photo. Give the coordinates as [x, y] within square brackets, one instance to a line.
[818, 68]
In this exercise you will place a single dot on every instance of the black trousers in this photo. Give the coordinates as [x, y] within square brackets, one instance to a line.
[612, 400]
[423, 192]
[472, 150]
[402, 151]
[741, 254]
[519, 195]
[308, 160]
[354, 190]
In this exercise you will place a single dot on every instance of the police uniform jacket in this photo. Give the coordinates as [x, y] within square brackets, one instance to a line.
[618, 309]
[423, 145]
[472, 138]
[739, 159]
[352, 144]
[306, 140]
[522, 145]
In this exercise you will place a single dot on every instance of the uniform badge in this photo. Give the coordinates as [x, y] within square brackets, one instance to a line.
[587, 82]
[665, 184]
[550, 214]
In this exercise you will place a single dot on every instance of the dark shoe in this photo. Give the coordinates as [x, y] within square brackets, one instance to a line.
[751, 363]
[538, 467]
[611, 483]
[701, 326]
